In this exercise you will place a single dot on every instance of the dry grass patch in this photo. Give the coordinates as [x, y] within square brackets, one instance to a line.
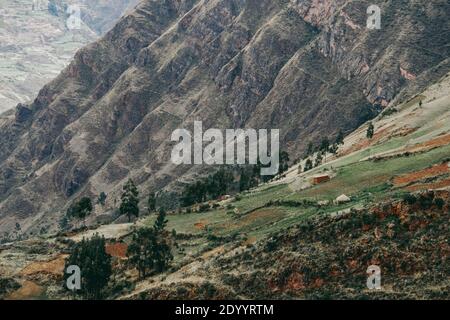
[53, 267]
[29, 291]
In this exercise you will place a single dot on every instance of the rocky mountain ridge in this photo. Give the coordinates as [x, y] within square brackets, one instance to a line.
[309, 68]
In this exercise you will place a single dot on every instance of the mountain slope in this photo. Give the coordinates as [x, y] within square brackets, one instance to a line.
[289, 239]
[36, 44]
[308, 68]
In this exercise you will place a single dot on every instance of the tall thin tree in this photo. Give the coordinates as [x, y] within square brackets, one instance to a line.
[130, 200]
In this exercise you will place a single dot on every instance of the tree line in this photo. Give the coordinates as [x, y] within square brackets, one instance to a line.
[228, 181]
[320, 151]
[326, 146]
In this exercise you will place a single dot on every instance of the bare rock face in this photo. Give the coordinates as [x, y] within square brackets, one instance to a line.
[309, 68]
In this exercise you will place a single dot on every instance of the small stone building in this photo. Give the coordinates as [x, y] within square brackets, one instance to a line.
[320, 179]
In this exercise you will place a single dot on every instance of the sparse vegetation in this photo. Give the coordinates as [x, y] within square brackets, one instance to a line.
[81, 209]
[388, 112]
[102, 198]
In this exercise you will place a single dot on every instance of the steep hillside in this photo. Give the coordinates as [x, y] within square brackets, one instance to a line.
[36, 44]
[307, 67]
[290, 239]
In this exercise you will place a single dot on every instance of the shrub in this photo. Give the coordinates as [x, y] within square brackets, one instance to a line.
[7, 285]
[425, 201]
[389, 112]
[208, 290]
[81, 209]
[102, 198]
[204, 207]
[409, 199]
[439, 202]
[271, 245]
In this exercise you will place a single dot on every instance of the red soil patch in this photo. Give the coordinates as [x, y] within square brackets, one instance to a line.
[29, 290]
[118, 250]
[379, 136]
[201, 225]
[433, 143]
[427, 186]
[352, 264]
[318, 283]
[53, 267]
[364, 143]
[295, 282]
[422, 174]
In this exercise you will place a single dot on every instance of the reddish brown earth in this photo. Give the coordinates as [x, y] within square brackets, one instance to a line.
[427, 186]
[422, 174]
[53, 267]
[117, 250]
[378, 136]
[200, 225]
[434, 143]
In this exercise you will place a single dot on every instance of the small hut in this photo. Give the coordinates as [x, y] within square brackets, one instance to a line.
[342, 199]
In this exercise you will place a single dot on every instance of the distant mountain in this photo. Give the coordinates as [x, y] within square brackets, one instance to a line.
[36, 42]
[309, 68]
